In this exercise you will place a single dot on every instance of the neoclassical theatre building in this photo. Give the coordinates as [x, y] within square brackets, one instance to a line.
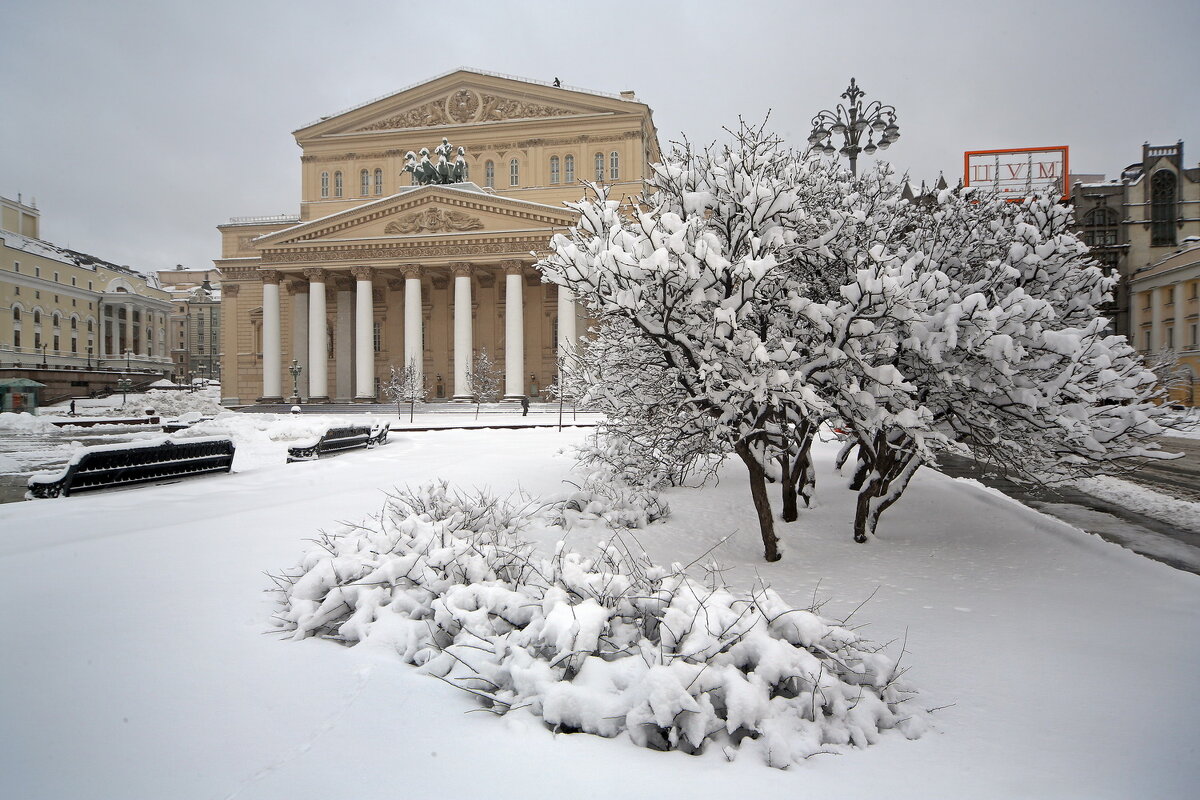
[378, 271]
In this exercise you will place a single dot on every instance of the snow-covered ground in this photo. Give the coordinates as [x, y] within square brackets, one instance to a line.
[139, 661]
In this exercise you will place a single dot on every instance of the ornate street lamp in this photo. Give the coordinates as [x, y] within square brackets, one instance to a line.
[43, 356]
[128, 353]
[89, 358]
[850, 121]
[295, 369]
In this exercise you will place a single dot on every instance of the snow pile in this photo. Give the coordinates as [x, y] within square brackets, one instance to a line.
[173, 403]
[611, 645]
[24, 422]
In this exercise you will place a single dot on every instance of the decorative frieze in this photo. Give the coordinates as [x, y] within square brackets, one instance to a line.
[433, 220]
[408, 251]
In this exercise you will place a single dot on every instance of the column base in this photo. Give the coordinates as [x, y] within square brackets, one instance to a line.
[462, 398]
[267, 399]
[366, 400]
[312, 400]
[514, 398]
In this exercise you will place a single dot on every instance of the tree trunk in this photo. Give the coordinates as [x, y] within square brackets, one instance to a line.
[791, 511]
[894, 469]
[762, 503]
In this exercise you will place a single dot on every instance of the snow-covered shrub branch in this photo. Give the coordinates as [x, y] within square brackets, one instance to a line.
[611, 645]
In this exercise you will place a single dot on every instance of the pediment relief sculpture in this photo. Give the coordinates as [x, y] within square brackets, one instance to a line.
[433, 220]
[464, 106]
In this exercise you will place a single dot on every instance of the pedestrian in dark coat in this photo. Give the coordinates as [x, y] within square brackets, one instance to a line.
[524, 406]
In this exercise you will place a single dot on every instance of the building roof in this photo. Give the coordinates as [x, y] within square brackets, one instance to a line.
[65, 255]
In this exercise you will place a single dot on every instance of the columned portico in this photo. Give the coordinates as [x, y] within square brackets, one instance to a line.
[463, 349]
[272, 339]
[364, 336]
[318, 335]
[514, 330]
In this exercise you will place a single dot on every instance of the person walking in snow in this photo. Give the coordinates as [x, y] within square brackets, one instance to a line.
[72, 408]
[524, 406]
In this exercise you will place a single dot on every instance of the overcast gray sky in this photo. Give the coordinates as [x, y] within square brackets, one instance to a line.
[140, 126]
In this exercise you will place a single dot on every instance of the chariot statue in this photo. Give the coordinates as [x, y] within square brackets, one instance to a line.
[451, 166]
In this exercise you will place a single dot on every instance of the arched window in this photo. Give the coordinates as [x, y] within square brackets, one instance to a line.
[569, 168]
[74, 323]
[1162, 208]
[554, 174]
[614, 166]
[324, 184]
[56, 320]
[364, 183]
[599, 167]
[37, 317]
[337, 184]
[489, 175]
[378, 181]
[514, 173]
[90, 325]
[16, 313]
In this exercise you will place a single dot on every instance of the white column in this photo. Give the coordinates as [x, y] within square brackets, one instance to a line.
[300, 334]
[343, 340]
[566, 323]
[103, 332]
[1135, 318]
[514, 331]
[127, 339]
[318, 336]
[414, 346]
[1180, 318]
[272, 386]
[462, 329]
[364, 333]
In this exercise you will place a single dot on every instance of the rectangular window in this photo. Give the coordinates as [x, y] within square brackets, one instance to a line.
[16, 290]
[73, 280]
[17, 339]
[1170, 338]
[17, 266]
[378, 336]
[1146, 340]
[1192, 344]
[37, 272]
[56, 277]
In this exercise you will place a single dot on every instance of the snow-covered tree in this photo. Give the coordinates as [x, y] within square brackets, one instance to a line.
[406, 385]
[483, 380]
[693, 270]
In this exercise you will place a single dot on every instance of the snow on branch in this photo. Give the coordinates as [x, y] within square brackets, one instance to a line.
[610, 644]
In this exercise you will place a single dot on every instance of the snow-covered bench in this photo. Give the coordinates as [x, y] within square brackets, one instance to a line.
[342, 437]
[107, 465]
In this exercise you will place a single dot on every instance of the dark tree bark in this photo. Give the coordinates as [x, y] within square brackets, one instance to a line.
[762, 502]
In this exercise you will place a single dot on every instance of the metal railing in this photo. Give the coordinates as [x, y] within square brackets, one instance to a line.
[273, 218]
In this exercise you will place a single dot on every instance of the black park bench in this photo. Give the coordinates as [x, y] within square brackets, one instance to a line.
[108, 465]
[342, 437]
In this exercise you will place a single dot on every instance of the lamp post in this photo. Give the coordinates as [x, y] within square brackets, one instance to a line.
[89, 358]
[850, 121]
[295, 369]
[43, 356]
[124, 384]
[128, 354]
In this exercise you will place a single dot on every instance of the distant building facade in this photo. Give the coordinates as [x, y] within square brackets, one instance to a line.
[1145, 225]
[375, 272]
[194, 327]
[64, 310]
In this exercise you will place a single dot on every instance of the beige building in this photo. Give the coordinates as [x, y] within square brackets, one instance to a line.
[78, 319]
[1145, 225]
[194, 326]
[374, 272]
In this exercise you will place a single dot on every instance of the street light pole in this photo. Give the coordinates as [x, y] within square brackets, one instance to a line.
[295, 369]
[43, 356]
[851, 121]
[89, 358]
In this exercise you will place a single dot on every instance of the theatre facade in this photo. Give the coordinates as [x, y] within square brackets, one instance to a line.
[377, 271]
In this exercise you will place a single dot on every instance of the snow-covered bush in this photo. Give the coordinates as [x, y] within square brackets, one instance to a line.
[604, 497]
[610, 645]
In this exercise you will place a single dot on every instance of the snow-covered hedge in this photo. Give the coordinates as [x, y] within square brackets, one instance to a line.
[611, 645]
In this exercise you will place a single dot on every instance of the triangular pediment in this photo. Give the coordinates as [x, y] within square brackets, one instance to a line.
[467, 98]
[423, 212]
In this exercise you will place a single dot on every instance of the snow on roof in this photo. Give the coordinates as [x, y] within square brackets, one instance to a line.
[65, 255]
[477, 72]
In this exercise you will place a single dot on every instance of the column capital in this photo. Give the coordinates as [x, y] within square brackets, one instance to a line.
[315, 274]
[297, 287]
[231, 289]
[270, 276]
[460, 269]
[411, 271]
[363, 273]
[513, 267]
